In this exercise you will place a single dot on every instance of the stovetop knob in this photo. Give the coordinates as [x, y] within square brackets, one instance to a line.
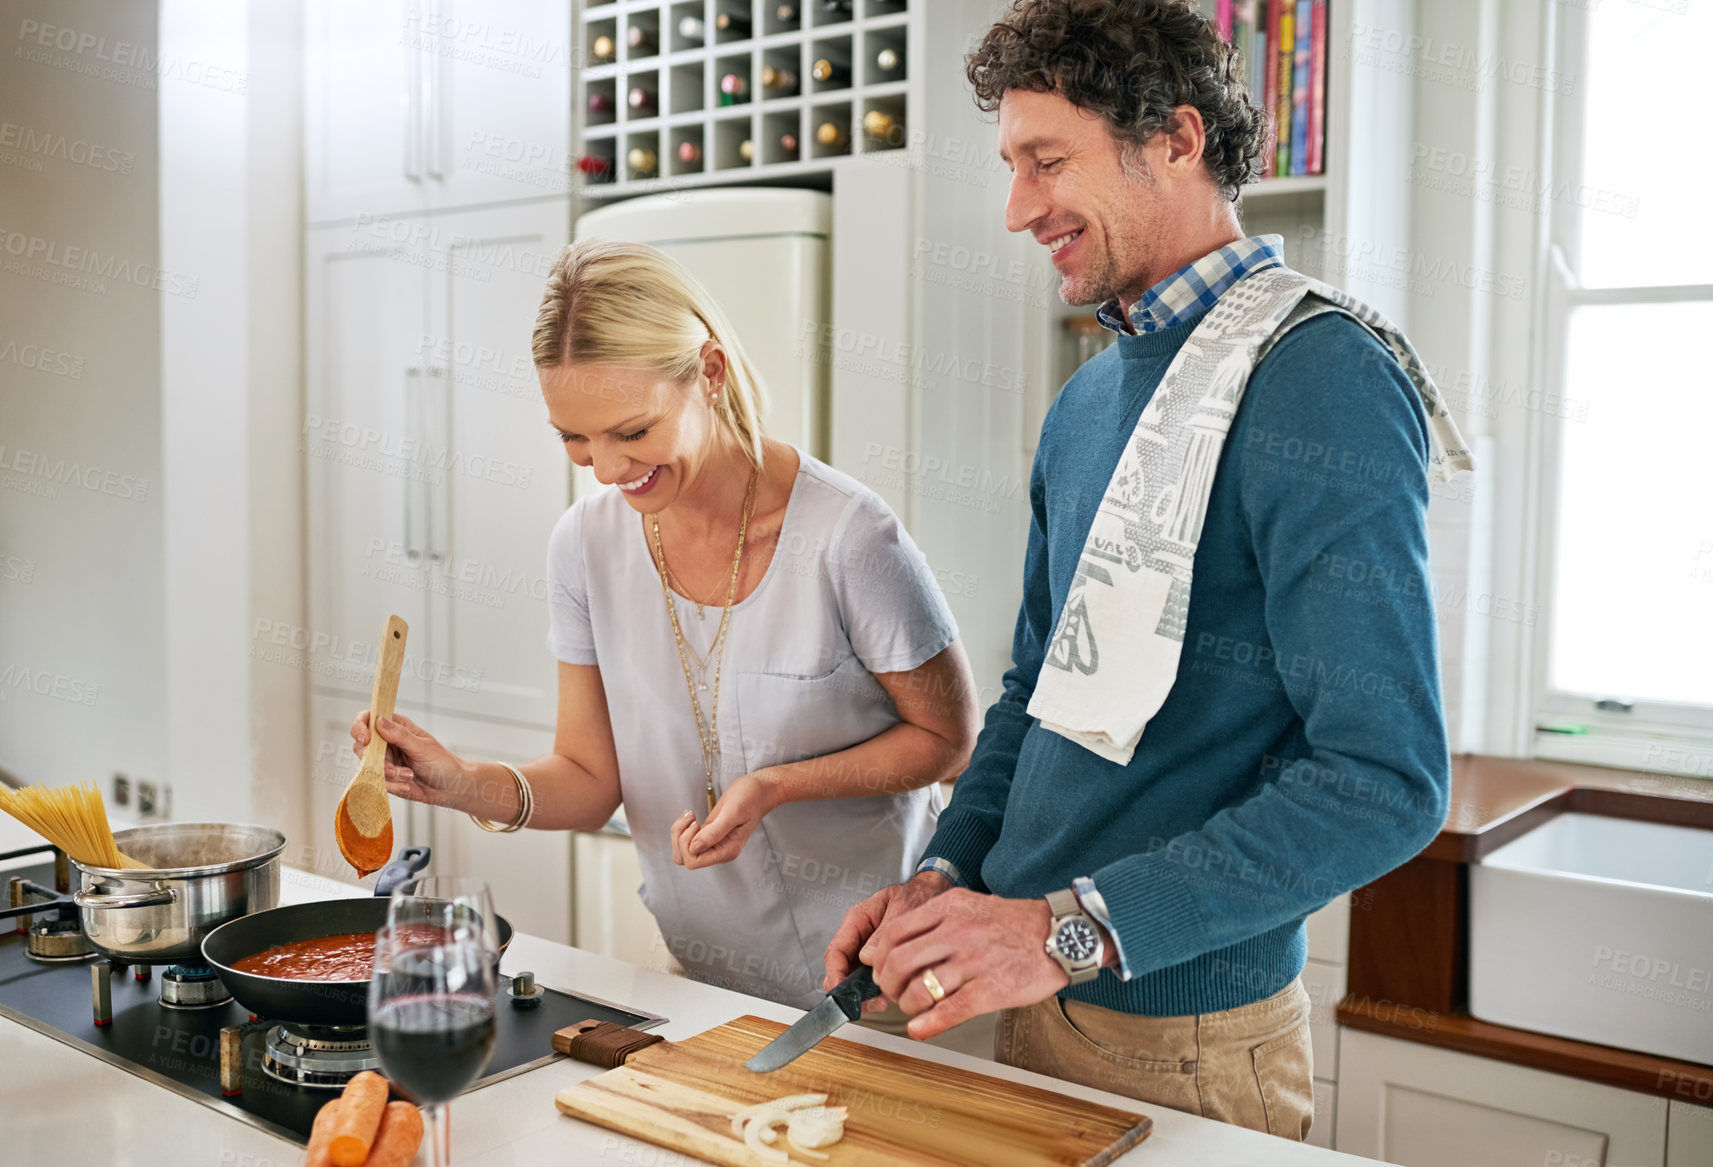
[524, 991]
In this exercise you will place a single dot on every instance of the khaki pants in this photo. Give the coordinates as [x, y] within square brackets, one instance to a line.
[1251, 1066]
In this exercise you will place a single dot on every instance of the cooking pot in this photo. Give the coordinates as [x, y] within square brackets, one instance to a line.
[199, 876]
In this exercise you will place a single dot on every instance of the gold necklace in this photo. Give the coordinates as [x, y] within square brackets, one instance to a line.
[679, 584]
[707, 731]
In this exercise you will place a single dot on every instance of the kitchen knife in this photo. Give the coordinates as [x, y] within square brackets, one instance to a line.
[843, 1004]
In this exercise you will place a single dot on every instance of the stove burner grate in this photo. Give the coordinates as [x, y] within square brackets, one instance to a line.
[326, 1057]
[192, 986]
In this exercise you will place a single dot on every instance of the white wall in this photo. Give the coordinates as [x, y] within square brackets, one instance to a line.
[151, 497]
[81, 582]
[231, 215]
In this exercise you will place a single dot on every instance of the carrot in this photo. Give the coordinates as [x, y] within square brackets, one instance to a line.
[360, 1108]
[320, 1135]
[399, 1137]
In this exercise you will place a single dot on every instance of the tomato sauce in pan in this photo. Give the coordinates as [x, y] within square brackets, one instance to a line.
[346, 957]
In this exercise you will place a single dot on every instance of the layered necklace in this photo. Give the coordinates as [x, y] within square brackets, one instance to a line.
[695, 677]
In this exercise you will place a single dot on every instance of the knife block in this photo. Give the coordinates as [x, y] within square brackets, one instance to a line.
[602, 1043]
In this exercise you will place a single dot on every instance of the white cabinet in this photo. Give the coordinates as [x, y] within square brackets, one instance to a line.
[1689, 1131]
[434, 478]
[420, 105]
[1421, 1106]
[611, 919]
[434, 481]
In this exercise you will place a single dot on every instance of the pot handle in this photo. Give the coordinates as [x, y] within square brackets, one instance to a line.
[410, 861]
[142, 899]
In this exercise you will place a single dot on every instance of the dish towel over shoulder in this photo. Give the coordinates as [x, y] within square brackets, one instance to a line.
[1114, 654]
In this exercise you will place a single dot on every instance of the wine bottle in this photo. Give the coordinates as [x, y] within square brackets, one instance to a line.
[746, 150]
[879, 124]
[595, 168]
[732, 22]
[692, 29]
[788, 14]
[781, 82]
[734, 89]
[641, 161]
[600, 104]
[889, 60]
[641, 41]
[603, 49]
[788, 145]
[642, 99]
[841, 8]
[832, 134]
[690, 153]
[830, 73]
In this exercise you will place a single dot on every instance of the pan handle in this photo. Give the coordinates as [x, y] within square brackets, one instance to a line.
[410, 861]
[142, 899]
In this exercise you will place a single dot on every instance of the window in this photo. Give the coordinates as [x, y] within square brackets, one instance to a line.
[1629, 343]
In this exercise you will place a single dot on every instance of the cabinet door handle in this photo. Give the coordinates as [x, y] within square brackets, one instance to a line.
[436, 97]
[436, 403]
[413, 429]
[413, 92]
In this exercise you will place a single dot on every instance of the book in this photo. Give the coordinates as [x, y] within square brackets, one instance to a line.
[1270, 80]
[1284, 55]
[1300, 90]
[1317, 89]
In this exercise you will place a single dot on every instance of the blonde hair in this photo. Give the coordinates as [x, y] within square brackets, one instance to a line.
[615, 303]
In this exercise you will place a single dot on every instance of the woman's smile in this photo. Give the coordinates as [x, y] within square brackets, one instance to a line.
[643, 483]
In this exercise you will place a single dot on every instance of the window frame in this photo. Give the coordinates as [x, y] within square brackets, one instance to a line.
[1646, 734]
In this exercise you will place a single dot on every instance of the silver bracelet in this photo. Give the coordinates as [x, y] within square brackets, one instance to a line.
[525, 805]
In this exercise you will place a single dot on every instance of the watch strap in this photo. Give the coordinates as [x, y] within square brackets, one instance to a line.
[1064, 905]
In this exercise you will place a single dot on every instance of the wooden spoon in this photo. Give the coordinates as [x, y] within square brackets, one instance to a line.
[363, 824]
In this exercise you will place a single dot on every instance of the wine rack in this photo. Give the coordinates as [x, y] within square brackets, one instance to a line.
[692, 92]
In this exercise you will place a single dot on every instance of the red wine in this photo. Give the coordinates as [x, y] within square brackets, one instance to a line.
[433, 1045]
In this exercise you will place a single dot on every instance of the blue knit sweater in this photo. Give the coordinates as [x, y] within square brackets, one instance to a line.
[1302, 750]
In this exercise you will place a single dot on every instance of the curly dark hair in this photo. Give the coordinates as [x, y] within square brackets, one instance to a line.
[1133, 62]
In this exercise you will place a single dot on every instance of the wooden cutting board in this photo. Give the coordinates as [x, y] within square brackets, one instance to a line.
[904, 1112]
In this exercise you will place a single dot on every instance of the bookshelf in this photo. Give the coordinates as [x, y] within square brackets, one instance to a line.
[696, 127]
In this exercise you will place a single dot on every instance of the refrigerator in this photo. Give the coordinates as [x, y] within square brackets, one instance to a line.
[763, 254]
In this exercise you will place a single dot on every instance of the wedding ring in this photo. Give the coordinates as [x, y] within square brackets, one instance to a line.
[932, 984]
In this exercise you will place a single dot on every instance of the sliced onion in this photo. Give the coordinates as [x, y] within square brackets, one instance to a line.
[802, 1150]
[817, 1126]
[811, 1124]
[752, 1139]
[783, 1105]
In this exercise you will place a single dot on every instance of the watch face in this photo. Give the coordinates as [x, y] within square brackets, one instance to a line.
[1076, 940]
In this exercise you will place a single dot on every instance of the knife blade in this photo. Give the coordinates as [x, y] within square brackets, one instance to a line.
[843, 1004]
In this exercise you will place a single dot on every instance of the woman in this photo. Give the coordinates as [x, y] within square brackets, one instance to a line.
[754, 658]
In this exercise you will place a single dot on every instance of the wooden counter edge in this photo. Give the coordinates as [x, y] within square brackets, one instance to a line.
[1606, 1065]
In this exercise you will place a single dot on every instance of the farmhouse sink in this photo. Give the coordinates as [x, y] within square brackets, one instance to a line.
[1598, 929]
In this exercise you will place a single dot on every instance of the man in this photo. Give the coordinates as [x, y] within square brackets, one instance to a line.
[1211, 728]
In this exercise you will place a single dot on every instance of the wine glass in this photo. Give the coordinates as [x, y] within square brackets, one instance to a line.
[431, 1010]
[472, 916]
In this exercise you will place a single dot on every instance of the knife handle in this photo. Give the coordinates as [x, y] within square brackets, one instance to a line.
[851, 992]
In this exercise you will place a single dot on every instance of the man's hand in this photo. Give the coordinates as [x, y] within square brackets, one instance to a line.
[870, 917]
[987, 953]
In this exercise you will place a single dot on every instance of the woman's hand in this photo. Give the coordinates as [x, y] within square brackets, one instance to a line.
[719, 840]
[418, 767]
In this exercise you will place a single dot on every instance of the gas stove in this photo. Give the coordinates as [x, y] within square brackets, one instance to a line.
[188, 1035]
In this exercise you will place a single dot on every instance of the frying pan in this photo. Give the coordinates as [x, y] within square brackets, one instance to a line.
[302, 1002]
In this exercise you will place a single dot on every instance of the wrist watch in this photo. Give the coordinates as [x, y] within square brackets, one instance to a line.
[1073, 939]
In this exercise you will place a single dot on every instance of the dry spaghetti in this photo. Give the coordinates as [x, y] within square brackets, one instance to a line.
[72, 818]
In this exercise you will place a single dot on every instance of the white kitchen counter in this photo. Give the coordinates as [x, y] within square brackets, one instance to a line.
[62, 1106]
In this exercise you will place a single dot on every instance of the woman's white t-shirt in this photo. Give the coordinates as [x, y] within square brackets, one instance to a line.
[847, 594]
